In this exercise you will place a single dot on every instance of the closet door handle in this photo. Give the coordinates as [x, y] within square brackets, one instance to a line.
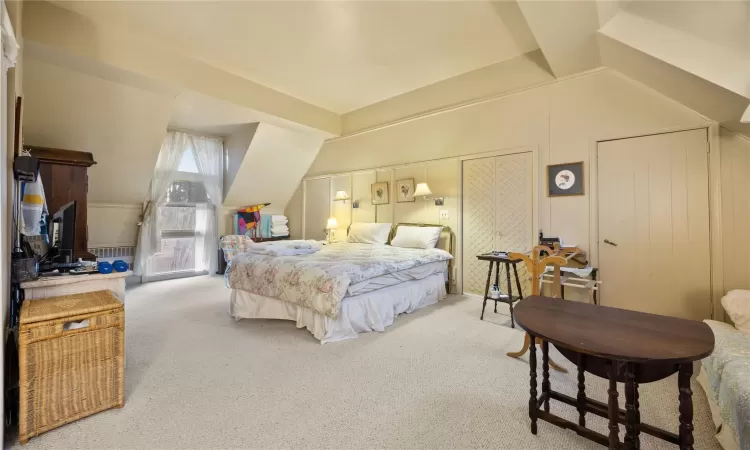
[607, 241]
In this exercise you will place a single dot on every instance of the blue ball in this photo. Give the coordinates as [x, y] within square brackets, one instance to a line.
[105, 267]
[120, 265]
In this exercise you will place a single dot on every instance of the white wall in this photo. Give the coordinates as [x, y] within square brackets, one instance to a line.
[122, 126]
[235, 148]
[561, 120]
[272, 166]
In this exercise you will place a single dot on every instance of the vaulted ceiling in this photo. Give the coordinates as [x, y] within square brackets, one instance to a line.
[339, 56]
[325, 68]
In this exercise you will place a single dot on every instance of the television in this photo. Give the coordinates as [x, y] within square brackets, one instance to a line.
[62, 233]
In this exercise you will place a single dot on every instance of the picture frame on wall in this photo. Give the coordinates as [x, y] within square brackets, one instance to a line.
[405, 190]
[565, 179]
[380, 193]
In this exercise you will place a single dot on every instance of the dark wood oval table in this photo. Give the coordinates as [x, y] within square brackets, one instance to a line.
[619, 345]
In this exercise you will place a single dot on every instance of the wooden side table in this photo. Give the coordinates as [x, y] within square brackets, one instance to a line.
[497, 259]
[623, 346]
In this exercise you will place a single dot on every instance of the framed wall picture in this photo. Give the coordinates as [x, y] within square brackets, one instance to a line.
[380, 193]
[565, 179]
[405, 190]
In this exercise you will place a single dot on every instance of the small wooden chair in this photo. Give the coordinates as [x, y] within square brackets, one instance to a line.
[536, 265]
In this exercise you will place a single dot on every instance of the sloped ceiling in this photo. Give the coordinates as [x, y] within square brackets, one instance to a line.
[275, 77]
[274, 162]
[566, 33]
[697, 53]
[136, 51]
[339, 56]
[123, 126]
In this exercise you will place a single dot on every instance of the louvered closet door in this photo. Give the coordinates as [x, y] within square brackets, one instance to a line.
[479, 220]
[514, 210]
[497, 213]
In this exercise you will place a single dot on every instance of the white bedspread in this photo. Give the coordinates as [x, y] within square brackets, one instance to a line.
[319, 281]
[284, 248]
[373, 311]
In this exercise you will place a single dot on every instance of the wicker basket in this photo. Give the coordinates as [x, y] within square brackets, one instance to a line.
[71, 360]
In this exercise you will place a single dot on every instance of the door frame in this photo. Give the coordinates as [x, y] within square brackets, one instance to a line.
[714, 204]
[534, 150]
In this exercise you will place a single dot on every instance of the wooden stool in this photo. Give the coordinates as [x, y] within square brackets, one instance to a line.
[498, 259]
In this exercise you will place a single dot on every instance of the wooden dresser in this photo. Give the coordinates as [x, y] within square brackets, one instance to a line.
[65, 179]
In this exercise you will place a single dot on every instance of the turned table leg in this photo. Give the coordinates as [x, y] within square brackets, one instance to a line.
[637, 405]
[486, 291]
[614, 408]
[632, 440]
[545, 374]
[581, 399]
[532, 376]
[686, 406]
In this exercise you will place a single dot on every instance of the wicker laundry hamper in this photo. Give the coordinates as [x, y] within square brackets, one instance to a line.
[71, 352]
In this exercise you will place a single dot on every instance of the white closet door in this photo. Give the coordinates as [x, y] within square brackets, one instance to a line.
[317, 207]
[497, 213]
[654, 253]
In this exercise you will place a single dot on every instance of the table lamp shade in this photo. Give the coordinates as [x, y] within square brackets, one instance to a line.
[332, 223]
[422, 190]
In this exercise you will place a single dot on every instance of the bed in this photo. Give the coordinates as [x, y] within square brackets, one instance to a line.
[345, 288]
[724, 377]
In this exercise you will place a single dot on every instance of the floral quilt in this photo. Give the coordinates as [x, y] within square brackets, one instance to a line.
[728, 370]
[319, 281]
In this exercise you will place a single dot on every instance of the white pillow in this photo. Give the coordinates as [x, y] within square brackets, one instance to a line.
[369, 233]
[737, 305]
[416, 237]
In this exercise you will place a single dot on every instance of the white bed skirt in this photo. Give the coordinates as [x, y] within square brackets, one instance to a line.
[723, 434]
[372, 311]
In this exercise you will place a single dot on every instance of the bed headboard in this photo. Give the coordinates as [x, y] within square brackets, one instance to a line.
[446, 241]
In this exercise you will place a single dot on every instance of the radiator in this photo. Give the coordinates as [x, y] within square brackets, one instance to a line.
[125, 253]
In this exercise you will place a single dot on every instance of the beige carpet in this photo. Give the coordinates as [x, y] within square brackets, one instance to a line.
[438, 378]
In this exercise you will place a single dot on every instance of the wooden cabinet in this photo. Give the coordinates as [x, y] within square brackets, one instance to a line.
[65, 179]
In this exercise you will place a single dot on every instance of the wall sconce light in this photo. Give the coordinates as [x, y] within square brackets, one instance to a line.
[341, 196]
[422, 190]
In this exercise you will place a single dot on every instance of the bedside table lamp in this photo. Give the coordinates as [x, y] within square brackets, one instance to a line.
[331, 227]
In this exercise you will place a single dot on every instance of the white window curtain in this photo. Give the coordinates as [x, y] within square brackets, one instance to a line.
[207, 153]
[209, 159]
